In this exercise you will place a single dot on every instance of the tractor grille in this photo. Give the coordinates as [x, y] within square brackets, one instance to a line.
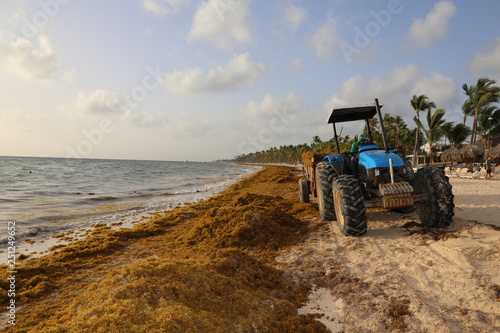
[384, 176]
[397, 195]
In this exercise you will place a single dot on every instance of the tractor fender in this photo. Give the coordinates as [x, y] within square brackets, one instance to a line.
[336, 160]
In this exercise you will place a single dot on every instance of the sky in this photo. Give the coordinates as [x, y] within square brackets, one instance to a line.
[207, 80]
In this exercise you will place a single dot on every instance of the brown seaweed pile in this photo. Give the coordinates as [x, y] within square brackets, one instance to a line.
[310, 158]
[207, 267]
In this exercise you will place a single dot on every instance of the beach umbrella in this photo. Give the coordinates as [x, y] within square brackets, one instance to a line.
[450, 155]
[470, 153]
[493, 152]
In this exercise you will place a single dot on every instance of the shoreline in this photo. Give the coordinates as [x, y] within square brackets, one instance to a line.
[39, 243]
[254, 257]
[185, 240]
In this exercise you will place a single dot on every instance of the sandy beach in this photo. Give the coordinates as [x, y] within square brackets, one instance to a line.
[255, 259]
[477, 199]
[403, 277]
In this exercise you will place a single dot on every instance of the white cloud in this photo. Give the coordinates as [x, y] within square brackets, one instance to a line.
[238, 72]
[270, 107]
[356, 91]
[442, 90]
[145, 119]
[100, 102]
[294, 16]
[21, 57]
[187, 126]
[162, 7]
[396, 90]
[488, 61]
[276, 121]
[425, 32]
[325, 38]
[222, 23]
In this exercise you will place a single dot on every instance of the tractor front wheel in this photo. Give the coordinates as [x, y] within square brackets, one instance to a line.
[349, 205]
[435, 207]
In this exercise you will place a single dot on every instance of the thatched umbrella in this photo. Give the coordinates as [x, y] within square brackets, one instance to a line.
[450, 155]
[493, 152]
[470, 153]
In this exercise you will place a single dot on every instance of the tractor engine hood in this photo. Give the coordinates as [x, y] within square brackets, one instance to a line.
[379, 159]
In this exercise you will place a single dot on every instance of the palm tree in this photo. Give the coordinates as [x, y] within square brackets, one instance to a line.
[419, 103]
[456, 134]
[396, 128]
[316, 139]
[390, 128]
[480, 96]
[435, 123]
[409, 139]
[488, 123]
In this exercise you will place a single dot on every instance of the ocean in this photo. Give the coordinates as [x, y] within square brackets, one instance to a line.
[45, 196]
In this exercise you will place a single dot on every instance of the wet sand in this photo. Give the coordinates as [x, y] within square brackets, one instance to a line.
[254, 258]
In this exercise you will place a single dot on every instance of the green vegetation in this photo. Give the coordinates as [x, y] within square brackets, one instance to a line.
[419, 103]
[479, 105]
[434, 130]
[456, 134]
[398, 135]
[291, 153]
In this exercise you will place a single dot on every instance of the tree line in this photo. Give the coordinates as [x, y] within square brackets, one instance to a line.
[480, 105]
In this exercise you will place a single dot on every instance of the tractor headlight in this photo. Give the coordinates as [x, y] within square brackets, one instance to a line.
[377, 172]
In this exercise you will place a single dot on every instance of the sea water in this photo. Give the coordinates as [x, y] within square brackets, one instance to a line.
[49, 195]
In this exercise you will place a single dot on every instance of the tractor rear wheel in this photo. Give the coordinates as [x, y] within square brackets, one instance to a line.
[303, 190]
[350, 208]
[324, 177]
[436, 209]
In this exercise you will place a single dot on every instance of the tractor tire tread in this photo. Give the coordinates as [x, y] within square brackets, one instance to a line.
[324, 177]
[354, 211]
[441, 199]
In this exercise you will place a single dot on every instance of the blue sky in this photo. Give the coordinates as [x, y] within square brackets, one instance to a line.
[205, 80]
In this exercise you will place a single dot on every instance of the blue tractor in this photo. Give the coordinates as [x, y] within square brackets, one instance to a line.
[348, 183]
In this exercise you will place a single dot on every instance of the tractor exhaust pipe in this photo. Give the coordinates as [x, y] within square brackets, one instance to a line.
[384, 135]
[391, 170]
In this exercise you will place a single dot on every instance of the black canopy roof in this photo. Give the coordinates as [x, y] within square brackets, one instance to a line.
[353, 113]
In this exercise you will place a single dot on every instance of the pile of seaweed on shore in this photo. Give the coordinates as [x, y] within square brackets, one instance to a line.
[205, 267]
